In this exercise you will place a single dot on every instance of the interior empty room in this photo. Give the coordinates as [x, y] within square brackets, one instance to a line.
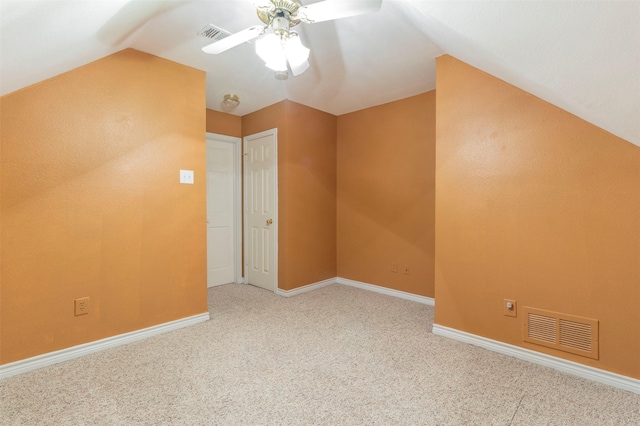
[319, 212]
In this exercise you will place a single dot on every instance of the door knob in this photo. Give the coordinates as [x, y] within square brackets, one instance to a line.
[269, 221]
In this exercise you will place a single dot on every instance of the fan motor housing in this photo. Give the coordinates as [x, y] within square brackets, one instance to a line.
[286, 9]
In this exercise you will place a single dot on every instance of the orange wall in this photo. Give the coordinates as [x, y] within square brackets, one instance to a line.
[306, 190]
[91, 204]
[537, 205]
[224, 124]
[385, 210]
[311, 196]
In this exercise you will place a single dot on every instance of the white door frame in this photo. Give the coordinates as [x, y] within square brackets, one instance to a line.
[273, 132]
[237, 198]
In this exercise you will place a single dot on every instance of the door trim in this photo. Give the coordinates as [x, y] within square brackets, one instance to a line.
[273, 132]
[237, 200]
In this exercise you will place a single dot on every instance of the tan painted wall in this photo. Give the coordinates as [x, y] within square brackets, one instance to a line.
[386, 178]
[306, 190]
[534, 204]
[224, 124]
[92, 206]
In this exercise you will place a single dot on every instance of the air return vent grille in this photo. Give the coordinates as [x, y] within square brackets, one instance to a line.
[542, 328]
[564, 332]
[213, 33]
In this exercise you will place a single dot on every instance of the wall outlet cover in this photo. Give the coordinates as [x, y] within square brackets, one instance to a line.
[81, 306]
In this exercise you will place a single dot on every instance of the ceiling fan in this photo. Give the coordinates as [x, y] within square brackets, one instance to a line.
[279, 46]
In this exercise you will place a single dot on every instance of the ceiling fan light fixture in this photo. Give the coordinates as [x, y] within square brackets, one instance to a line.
[299, 69]
[297, 54]
[277, 65]
[276, 50]
[279, 46]
[280, 26]
[269, 48]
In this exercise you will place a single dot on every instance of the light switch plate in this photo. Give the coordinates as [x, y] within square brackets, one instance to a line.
[186, 176]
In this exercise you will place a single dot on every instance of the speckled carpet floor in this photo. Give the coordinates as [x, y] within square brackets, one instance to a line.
[333, 356]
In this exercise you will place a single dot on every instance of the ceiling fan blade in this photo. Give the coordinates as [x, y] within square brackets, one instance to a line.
[262, 3]
[233, 40]
[336, 9]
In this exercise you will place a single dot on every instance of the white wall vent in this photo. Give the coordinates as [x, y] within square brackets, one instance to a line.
[560, 331]
[213, 33]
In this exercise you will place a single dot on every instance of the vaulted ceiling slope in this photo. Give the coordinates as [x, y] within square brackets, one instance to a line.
[583, 56]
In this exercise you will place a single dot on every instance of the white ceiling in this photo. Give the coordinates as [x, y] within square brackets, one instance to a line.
[583, 56]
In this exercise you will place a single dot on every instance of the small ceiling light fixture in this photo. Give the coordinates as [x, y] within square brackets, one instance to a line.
[230, 101]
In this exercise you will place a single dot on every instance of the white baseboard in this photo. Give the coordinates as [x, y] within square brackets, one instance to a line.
[591, 373]
[33, 363]
[389, 292]
[306, 288]
[363, 286]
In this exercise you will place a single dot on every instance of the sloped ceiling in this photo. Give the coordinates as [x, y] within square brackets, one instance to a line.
[583, 56]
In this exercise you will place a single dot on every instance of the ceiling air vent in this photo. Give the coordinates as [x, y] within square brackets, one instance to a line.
[213, 33]
[564, 332]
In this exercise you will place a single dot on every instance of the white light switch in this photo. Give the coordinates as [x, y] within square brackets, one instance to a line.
[186, 176]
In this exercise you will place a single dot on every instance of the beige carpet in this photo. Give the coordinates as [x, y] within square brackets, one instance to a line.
[334, 356]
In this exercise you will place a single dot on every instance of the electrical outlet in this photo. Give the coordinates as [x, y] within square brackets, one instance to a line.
[405, 269]
[510, 308]
[81, 306]
[394, 267]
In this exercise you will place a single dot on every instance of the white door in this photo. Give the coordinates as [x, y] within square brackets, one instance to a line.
[221, 210]
[261, 236]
